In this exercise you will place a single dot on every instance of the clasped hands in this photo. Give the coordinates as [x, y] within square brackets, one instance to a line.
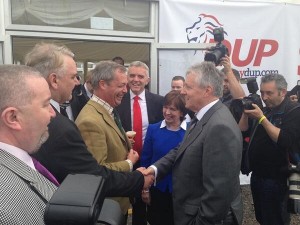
[148, 181]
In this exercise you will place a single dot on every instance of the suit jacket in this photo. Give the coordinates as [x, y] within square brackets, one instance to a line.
[79, 99]
[24, 192]
[104, 140]
[206, 170]
[65, 152]
[154, 104]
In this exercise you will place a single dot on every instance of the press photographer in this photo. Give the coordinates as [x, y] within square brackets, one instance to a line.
[274, 136]
[232, 89]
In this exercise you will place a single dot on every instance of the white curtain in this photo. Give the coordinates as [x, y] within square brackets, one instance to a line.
[64, 12]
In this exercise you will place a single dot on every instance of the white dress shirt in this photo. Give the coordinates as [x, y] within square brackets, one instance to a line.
[143, 105]
[18, 153]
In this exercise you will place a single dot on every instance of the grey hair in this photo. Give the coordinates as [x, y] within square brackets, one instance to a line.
[139, 64]
[280, 81]
[208, 75]
[105, 70]
[14, 90]
[48, 58]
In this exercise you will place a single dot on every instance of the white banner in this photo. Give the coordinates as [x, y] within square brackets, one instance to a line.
[261, 37]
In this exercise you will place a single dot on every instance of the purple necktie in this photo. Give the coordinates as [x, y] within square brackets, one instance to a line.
[46, 173]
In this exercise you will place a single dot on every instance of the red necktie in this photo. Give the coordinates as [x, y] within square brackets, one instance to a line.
[137, 125]
[42, 170]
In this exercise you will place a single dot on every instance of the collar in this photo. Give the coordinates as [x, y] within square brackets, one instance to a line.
[182, 125]
[89, 94]
[278, 109]
[18, 153]
[142, 96]
[55, 105]
[104, 104]
[203, 110]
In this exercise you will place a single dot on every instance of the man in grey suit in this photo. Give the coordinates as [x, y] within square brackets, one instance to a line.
[206, 166]
[25, 113]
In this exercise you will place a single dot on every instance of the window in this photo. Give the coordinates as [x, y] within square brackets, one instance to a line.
[119, 15]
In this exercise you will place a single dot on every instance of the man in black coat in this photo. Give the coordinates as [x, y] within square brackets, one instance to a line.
[65, 151]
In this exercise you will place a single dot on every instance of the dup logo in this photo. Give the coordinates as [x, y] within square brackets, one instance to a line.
[201, 31]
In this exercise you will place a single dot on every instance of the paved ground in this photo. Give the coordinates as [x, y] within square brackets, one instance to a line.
[249, 217]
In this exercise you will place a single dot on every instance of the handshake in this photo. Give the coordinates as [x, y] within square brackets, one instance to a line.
[148, 181]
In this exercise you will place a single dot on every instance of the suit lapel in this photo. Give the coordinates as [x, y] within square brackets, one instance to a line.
[37, 182]
[124, 110]
[109, 120]
[190, 138]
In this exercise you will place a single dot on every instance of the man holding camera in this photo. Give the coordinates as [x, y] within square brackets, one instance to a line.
[232, 88]
[275, 135]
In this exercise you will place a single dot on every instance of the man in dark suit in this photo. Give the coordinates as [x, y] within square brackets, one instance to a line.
[205, 167]
[151, 112]
[81, 95]
[151, 104]
[65, 151]
[25, 114]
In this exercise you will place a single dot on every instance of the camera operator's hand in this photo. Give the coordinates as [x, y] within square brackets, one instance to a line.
[225, 61]
[255, 113]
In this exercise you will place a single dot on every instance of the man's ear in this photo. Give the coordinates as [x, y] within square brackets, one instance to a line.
[283, 92]
[148, 81]
[208, 90]
[52, 81]
[11, 117]
[102, 84]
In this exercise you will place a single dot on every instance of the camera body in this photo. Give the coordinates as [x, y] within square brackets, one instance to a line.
[219, 51]
[253, 98]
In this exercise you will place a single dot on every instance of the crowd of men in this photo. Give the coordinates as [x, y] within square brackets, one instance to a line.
[35, 133]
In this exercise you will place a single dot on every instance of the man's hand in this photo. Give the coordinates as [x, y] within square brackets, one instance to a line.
[149, 171]
[225, 61]
[148, 181]
[146, 196]
[255, 113]
[133, 156]
[148, 177]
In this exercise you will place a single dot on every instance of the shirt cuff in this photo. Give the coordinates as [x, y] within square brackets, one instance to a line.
[130, 164]
[155, 173]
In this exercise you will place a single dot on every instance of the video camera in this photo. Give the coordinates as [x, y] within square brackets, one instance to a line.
[219, 51]
[293, 204]
[253, 98]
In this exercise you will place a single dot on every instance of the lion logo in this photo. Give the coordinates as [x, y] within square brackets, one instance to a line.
[202, 30]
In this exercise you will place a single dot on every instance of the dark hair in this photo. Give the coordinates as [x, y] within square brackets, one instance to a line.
[235, 72]
[119, 60]
[175, 98]
[178, 78]
[279, 79]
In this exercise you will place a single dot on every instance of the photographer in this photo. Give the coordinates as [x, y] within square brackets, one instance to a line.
[232, 88]
[276, 133]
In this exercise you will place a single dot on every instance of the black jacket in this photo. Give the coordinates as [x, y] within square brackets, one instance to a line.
[65, 152]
